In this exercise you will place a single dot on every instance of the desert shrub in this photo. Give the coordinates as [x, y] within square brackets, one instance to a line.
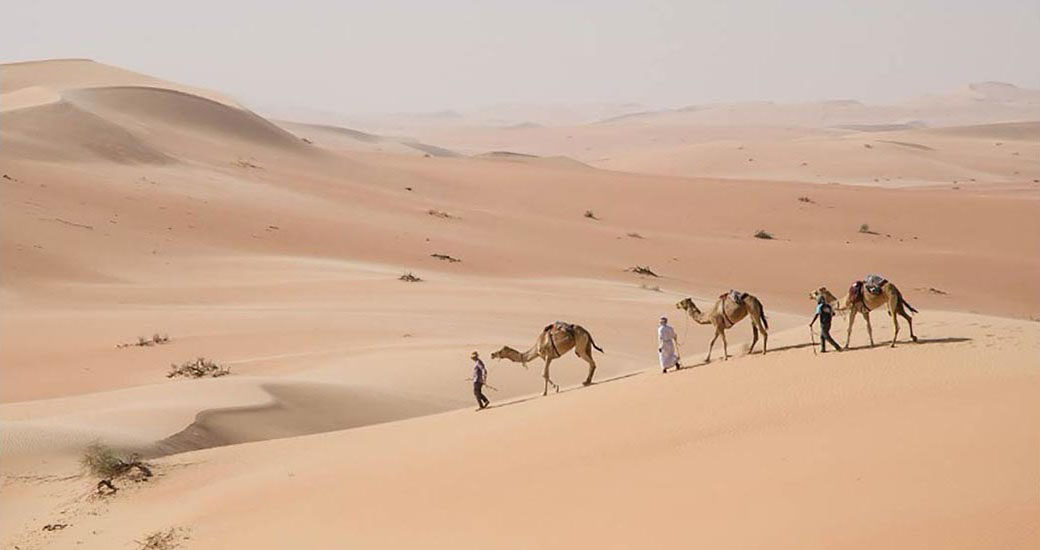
[197, 368]
[865, 228]
[643, 270]
[104, 462]
[166, 539]
[653, 288]
[804, 199]
[446, 258]
[634, 235]
[439, 214]
[156, 340]
[590, 215]
[409, 278]
[763, 234]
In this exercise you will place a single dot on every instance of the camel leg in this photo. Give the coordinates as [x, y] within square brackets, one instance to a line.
[587, 356]
[848, 335]
[895, 328]
[725, 347]
[765, 340]
[909, 322]
[545, 375]
[870, 329]
[754, 338]
[711, 345]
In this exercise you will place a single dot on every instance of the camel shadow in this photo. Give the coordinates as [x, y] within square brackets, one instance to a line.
[565, 390]
[920, 341]
[746, 354]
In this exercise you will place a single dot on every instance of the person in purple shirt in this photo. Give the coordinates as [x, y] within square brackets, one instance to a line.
[479, 379]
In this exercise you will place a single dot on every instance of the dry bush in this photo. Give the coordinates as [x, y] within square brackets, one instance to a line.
[166, 539]
[590, 215]
[634, 235]
[156, 340]
[409, 278]
[763, 234]
[107, 464]
[653, 288]
[643, 270]
[446, 258]
[805, 199]
[197, 368]
[439, 214]
[865, 228]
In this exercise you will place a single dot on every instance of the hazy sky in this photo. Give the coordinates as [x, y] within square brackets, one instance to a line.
[384, 56]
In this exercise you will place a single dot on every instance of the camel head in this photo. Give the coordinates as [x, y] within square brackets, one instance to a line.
[828, 297]
[688, 306]
[509, 353]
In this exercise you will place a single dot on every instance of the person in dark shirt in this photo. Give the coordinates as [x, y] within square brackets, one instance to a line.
[479, 379]
[824, 312]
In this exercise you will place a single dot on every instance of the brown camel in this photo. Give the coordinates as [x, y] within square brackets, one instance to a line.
[727, 312]
[554, 341]
[861, 301]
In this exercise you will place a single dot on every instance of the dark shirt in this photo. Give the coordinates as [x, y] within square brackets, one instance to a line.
[479, 372]
[826, 312]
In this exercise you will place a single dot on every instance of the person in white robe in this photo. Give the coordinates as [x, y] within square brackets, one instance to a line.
[666, 344]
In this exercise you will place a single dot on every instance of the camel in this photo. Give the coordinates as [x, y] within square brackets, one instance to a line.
[868, 301]
[727, 312]
[554, 341]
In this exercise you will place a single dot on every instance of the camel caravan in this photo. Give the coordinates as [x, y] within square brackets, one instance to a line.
[730, 308]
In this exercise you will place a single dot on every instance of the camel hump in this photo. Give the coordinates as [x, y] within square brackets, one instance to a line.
[560, 326]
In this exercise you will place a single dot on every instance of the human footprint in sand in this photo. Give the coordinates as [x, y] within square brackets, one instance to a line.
[666, 344]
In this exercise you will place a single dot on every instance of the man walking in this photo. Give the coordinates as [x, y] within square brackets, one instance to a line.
[824, 312]
[666, 342]
[479, 379]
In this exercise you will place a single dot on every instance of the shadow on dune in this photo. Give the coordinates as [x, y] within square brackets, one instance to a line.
[920, 341]
[295, 409]
[570, 389]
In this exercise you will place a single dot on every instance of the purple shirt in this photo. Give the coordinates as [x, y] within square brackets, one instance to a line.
[479, 371]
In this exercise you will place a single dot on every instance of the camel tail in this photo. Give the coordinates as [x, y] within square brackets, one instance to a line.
[907, 304]
[762, 313]
[593, 342]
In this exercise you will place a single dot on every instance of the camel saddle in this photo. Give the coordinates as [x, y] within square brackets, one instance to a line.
[874, 283]
[560, 326]
[735, 295]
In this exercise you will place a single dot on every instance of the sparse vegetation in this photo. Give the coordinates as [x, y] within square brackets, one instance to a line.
[805, 199]
[246, 164]
[446, 258]
[865, 228]
[166, 539]
[197, 368]
[156, 340]
[409, 278]
[653, 288]
[590, 215]
[439, 214]
[763, 234]
[104, 462]
[634, 235]
[643, 270]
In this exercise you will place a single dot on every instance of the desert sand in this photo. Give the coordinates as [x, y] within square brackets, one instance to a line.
[133, 206]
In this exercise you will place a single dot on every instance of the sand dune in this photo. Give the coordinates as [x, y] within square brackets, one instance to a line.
[134, 206]
[918, 446]
[348, 140]
[915, 157]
